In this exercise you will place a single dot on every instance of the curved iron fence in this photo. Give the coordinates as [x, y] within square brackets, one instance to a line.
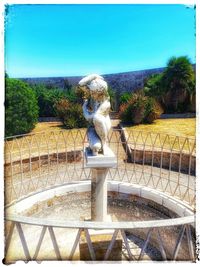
[34, 162]
[37, 162]
[153, 229]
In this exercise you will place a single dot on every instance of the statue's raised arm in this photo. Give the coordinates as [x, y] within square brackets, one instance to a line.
[96, 111]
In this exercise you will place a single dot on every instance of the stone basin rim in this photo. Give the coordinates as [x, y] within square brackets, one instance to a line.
[181, 209]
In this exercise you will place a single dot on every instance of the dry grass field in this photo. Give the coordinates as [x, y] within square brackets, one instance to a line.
[180, 127]
[169, 134]
[48, 126]
[46, 138]
[49, 137]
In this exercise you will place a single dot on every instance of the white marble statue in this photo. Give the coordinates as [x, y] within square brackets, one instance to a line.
[96, 111]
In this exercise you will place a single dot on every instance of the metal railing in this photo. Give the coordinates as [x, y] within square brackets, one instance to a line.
[152, 227]
[37, 162]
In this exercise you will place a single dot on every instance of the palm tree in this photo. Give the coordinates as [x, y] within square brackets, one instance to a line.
[178, 79]
[153, 87]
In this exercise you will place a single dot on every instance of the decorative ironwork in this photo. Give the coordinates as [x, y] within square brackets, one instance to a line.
[34, 163]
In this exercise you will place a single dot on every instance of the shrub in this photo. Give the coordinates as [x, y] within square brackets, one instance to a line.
[61, 108]
[140, 109]
[48, 96]
[153, 110]
[125, 113]
[133, 111]
[21, 109]
[71, 114]
[125, 97]
[137, 105]
[74, 117]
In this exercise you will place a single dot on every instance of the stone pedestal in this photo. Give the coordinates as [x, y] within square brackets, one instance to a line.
[100, 239]
[99, 195]
[99, 165]
[100, 161]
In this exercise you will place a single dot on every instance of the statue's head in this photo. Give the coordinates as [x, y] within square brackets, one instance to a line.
[96, 85]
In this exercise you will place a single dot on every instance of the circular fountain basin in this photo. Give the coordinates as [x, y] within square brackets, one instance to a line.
[55, 199]
[126, 202]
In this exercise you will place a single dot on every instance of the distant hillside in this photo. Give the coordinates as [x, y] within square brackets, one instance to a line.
[120, 82]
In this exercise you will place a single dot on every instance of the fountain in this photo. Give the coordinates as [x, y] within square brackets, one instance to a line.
[88, 202]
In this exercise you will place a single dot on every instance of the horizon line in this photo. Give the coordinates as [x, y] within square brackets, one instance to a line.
[88, 74]
[70, 76]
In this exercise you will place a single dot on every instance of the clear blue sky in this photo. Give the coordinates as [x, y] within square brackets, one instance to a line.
[67, 40]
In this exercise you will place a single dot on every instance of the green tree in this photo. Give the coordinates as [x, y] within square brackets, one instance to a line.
[178, 81]
[175, 87]
[192, 95]
[47, 98]
[153, 87]
[21, 109]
